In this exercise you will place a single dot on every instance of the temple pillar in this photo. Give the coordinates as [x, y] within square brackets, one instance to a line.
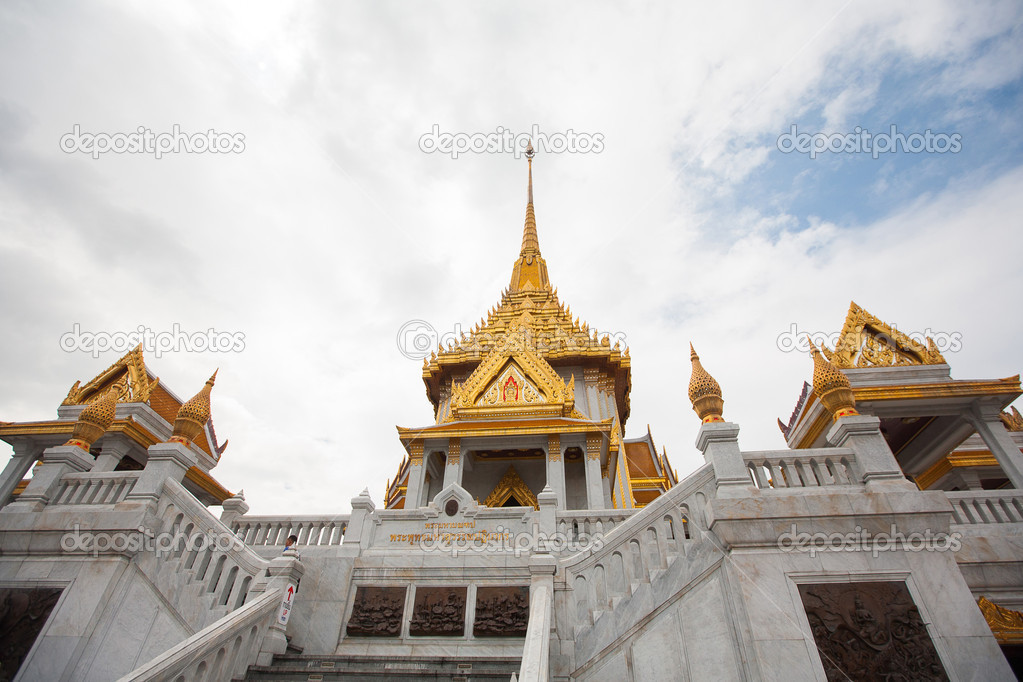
[416, 477]
[556, 469]
[987, 421]
[453, 465]
[594, 488]
[25, 455]
[57, 461]
[111, 453]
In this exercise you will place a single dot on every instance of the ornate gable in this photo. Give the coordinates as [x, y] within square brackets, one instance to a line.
[511, 485]
[136, 389]
[513, 382]
[868, 342]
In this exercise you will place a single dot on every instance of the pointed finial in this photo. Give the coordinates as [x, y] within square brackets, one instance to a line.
[96, 418]
[704, 392]
[193, 414]
[831, 386]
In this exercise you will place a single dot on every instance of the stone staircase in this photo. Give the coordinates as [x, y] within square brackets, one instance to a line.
[350, 668]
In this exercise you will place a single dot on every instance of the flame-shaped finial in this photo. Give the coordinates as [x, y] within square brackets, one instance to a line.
[704, 392]
[193, 415]
[832, 386]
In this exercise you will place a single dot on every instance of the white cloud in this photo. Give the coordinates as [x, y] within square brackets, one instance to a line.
[332, 229]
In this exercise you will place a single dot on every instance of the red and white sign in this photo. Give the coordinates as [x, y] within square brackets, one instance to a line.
[285, 612]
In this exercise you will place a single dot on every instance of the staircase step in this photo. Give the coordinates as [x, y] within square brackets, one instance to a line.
[310, 668]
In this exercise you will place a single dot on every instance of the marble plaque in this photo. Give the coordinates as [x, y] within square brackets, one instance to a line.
[438, 612]
[377, 612]
[501, 612]
[870, 631]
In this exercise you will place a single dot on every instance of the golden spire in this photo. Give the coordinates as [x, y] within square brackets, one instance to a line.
[193, 415]
[832, 386]
[96, 418]
[530, 271]
[704, 392]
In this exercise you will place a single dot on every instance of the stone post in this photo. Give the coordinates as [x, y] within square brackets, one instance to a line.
[234, 508]
[359, 523]
[535, 666]
[986, 419]
[166, 460]
[25, 455]
[875, 463]
[548, 502]
[284, 572]
[719, 443]
[57, 461]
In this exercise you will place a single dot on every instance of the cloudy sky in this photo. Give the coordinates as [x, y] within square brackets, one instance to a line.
[326, 227]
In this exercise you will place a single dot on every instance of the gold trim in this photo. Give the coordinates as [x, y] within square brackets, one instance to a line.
[1006, 625]
[208, 484]
[511, 484]
[944, 465]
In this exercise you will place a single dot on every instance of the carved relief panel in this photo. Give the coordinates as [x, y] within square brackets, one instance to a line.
[870, 631]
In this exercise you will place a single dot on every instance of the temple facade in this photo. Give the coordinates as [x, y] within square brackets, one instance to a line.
[525, 537]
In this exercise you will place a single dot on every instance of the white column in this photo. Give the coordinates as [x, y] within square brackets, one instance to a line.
[453, 465]
[57, 461]
[416, 477]
[25, 455]
[594, 491]
[556, 469]
[990, 427]
[113, 448]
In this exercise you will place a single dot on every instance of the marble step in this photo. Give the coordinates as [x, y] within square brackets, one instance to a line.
[376, 668]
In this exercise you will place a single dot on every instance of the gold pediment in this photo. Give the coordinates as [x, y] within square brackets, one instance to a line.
[130, 370]
[510, 486]
[511, 387]
[866, 341]
[512, 382]
[1006, 625]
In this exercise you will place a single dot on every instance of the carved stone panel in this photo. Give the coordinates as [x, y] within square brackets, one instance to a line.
[501, 612]
[23, 612]
[870, 631]
[438, 611]
[377, 612]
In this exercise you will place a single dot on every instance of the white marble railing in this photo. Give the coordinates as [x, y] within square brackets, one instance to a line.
[640, 548]
[221, 652]
[199, 564]
[108, 487]
[574, 525]
[987, 506]
[272, 531]
[809, 468]
[536, 654]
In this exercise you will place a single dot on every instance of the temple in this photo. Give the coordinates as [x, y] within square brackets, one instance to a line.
[524, 536]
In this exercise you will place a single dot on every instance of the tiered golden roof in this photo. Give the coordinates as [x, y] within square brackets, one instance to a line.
[704, 392]
[194, 414]
[96, 418]
[529, 316]
[832, 386]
